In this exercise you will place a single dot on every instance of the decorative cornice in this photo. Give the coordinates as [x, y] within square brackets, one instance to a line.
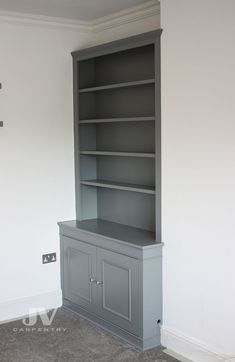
[136, 13]
[45, 21]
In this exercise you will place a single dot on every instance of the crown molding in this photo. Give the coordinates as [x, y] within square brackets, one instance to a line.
[45, 21]
[135, 13]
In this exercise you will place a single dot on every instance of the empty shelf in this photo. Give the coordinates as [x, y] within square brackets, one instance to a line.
[122, 154]
[111, 120]
[118, 85]
[121, 232]
[120, 186]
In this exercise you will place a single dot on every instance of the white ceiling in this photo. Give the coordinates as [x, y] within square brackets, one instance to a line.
[85, 10]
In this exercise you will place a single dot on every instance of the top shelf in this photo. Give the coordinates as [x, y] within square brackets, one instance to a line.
[116, 120]
[118, 85]
[118, 154]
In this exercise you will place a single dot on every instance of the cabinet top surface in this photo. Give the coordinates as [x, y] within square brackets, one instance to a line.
[122, 233]
[117, 45]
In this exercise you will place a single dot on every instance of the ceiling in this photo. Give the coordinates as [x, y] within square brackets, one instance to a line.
[84, 10]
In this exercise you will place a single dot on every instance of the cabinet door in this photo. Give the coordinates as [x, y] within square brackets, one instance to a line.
[78, 269]
[117, 289]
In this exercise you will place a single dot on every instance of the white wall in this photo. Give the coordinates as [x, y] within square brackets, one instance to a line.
[198, 116]
[36, 162]
[36, 154]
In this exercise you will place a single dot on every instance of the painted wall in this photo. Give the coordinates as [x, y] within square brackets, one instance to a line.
[36, 154]
[36, 163]
[198, 116]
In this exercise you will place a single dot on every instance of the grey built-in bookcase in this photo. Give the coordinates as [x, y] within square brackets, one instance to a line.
[111, 253]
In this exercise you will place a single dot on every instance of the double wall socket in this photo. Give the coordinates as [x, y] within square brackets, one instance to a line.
[48, 258]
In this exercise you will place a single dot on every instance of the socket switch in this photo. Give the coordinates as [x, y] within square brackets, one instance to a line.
[48, 258]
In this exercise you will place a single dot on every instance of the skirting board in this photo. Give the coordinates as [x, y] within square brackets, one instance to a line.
[137, 342]
[190, 350]
[177, 356]
[20, 308]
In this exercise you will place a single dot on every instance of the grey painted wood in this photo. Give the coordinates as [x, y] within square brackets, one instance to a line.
[113, 120]
[128, 208]
[124, 65]
[117, 85]
[135, 170]
[87, 137]
[86, 73]
[119, 186]
[141, 249]
[122, 154]
[88, 167]
[128, 137]
[127, 299]
[88, 202]
[135, 236]
[76, 139]
[118, 299]
[117, 232]
[151, 297]
[95, 319]
[128, 65]
[119, 102]
[79, 265]
[118, 45]
[157, 59]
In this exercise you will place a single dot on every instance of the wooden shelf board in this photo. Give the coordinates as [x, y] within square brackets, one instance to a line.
[122, 154]
[121, 232]
[118, 85]
[120, 186]
[111, 120]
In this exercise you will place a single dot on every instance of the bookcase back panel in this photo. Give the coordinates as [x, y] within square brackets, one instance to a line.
[88, 167]
[121, 102]
[87, 137]
[88, 202]
[86, 73]
[129, 137]
[128, 65]
[125, 169]
[128, 208]
[87, 105]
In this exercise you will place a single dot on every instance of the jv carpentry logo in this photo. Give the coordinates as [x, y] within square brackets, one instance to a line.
[41, 321]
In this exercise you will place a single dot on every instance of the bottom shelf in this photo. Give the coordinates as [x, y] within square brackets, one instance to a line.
[115, 231]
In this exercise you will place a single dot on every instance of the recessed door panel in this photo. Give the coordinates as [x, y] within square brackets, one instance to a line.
[79, 268]
[117, 278]
[117, 290]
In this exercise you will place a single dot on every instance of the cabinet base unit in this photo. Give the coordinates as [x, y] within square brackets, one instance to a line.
[113, 282]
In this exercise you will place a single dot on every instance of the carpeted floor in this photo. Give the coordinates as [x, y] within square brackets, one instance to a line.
[68, 339]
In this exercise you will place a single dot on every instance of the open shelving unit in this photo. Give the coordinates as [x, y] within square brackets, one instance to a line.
[111, 254]
[117, 140]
